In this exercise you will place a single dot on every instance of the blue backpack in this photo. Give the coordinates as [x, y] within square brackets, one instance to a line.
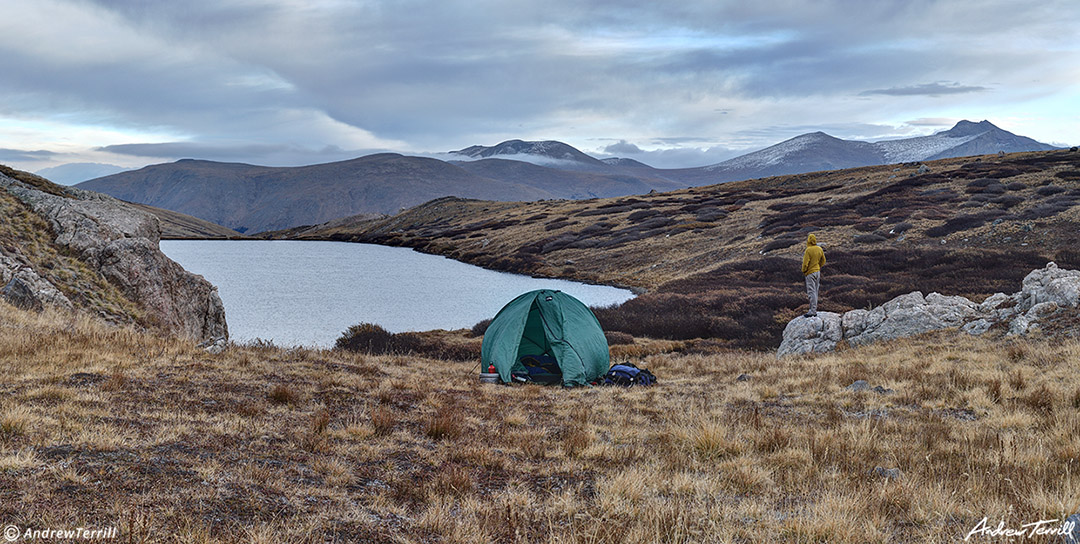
[626, 375]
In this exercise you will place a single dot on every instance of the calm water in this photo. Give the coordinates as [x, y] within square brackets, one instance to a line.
[308, 293]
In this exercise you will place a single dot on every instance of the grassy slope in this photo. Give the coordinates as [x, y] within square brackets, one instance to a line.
[106, 426]
[723, 261]
[178, 226]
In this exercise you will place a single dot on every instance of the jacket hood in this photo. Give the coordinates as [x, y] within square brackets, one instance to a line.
[811, 240]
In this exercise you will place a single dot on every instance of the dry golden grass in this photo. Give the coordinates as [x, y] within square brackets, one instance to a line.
[110, 426]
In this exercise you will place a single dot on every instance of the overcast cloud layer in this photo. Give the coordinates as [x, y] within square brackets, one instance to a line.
[669, 83]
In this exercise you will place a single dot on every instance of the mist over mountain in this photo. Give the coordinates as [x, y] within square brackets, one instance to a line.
[77, 172]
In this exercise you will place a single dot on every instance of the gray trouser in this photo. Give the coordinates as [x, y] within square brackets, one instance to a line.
[813, 282]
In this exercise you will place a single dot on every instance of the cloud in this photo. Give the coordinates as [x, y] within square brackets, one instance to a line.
[677, 157]
[263, 154]
[21, 155]
[622, 146]
[927, 89]
[277, 78]
[932, 122]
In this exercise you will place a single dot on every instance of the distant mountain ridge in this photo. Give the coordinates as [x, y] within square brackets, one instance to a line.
[514, 149]
[252, 198]
[818, 151]
[76, 172]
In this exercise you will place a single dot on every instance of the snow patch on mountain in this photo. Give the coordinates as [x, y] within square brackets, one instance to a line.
[771, 155]
[921, 147]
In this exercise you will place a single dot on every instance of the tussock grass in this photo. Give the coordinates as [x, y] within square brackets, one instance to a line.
[177, 445]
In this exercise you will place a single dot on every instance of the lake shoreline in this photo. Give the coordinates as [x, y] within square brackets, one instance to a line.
[303, 292]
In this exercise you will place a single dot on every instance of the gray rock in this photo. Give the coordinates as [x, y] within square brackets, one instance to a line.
[992, 302]
[858, 385]
[742, 378]
[215, 345]
[881, 390]
[977, 327]
[887, 473]
[1043, 294]
[1073, 536]
[20, 295]
[26, 289]
[1050, 284]
[121, 243]
[816, 334]
[906, 315]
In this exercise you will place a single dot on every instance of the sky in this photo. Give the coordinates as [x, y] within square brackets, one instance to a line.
[673, 84]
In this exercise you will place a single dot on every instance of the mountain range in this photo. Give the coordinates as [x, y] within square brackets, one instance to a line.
[251, 198]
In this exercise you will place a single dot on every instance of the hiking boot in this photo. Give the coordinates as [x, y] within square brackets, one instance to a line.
[808, 314]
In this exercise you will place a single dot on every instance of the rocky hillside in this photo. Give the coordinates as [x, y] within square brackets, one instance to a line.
[179, 226]
[722, 261]
[73, 249]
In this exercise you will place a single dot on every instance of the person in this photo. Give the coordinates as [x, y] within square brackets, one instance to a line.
[812, 261]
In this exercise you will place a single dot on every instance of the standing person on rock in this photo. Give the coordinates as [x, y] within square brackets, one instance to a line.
[812, 261]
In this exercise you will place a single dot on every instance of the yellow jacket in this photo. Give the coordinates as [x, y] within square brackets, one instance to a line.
[814, 258]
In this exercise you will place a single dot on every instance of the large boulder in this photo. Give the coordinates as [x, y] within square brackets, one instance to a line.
[1045, 292]
[907, 315]
[811, 334]
[121, 243]
[1050, 284]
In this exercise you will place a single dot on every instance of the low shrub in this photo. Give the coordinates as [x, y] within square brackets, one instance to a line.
[900, 228]
[710, 215]
[869, 238]
[480, 328]
[867, 226]
[1043, 211]
[641, 214]
[780, 243]
[365, 338]
[374, 340]
[962, 222]
[1049, 190]
[1007, 201]
[615, 338]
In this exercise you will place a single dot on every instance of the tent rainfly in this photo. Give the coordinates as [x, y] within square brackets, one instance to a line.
[546, 322]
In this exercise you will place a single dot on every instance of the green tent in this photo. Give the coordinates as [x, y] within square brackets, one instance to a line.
[546, 322]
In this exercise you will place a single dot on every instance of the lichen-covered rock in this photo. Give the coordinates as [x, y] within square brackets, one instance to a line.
[121, 243]
[907, 315]
[24, 288]
[811, 334]
[1050, 284]
[977, 327]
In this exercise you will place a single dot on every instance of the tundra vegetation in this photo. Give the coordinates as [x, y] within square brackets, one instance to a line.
[117, 425]
[103, 425]
[716, 262]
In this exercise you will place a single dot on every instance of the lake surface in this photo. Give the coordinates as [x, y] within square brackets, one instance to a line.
[308, 293]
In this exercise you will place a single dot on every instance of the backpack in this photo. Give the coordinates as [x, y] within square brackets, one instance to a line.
[626, 375]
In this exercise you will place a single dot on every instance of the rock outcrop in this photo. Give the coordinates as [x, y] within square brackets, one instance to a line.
[1045, 292]
[120, 243]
